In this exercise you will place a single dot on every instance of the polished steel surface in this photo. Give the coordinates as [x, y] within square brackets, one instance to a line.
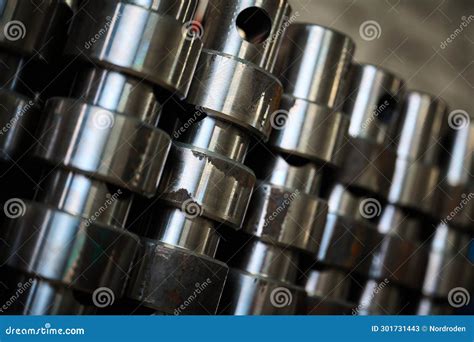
[314, 61]
[71, 127]
[305, 176]
[144, 43]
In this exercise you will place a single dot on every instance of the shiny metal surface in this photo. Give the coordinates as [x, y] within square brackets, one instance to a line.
[175, 227]
[117, 92]
[127, 152]
[372, 103]
[314, 61]
[45, 242]
[218, 189]
[310, 131]
[82, 196]
[199, 276]
[140, 43]
[276, 170]
[425, 126]
[246, 29]
[286, 218]
[246, 294]
[218, 136]
[45, 21]
[236, 91]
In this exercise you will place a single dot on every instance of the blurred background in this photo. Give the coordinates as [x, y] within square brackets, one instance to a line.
[409, 37]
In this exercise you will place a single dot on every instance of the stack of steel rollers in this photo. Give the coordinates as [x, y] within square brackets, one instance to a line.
[101, 148]
[286, 216]
[205, 186]
[343, 216]
[31, 40]
[449, 278]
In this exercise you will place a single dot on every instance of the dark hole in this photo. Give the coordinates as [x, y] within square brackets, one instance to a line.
[254, 25]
